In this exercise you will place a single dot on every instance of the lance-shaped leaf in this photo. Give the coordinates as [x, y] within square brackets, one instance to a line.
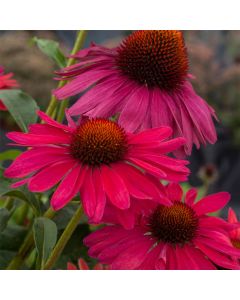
[45, 237]
[52, 50]
[21, 106]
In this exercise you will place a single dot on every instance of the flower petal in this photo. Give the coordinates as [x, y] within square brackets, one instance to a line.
[211, 203]
[115, 188]
[67, 189]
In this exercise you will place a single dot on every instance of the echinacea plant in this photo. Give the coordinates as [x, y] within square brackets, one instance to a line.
[109, 174]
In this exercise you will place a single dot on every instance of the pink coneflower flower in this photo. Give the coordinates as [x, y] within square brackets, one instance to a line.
[6, 82]
[99, 159]
[178, 236]
[82, 265]
[235, 233]
[144, 81]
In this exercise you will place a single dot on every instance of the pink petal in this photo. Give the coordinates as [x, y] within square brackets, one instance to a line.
[81, 82]
[19, 183]
[50, 175]
[145, 189]
[198, 258]
[82, 264]
[94, 96]
[160, 113]
[88, 193]
[190, 197]
[211, 203]
[35, 159]
[151, 258]
[103, 234]
[29, 139]
[133, 256]
[232, 217]
[42, 129]
[174, 192]
[134, 112]
[53, 123]
[115, 188]
[100, 195]
[218, 258]
[220, 246]
[67, 189]
[148, 167]
[71, 266]
[151, 135]
[184, 262]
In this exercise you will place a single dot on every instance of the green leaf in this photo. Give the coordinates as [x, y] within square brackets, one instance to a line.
[51, 49]
[9, 154]
[21, 106]
[20, 193]
[45, 237]
[28, 197]
[12, 237]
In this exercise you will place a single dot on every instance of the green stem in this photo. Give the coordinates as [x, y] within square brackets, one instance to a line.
[81, 35]
[67, 233]
[9, 203]
[77, 46]
[22, 213]
[26, 246]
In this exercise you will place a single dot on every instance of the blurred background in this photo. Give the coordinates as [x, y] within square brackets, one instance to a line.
[214, 60]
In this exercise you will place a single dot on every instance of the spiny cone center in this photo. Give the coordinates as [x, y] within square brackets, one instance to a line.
[176, 224]
[97, 142]
[156, 58]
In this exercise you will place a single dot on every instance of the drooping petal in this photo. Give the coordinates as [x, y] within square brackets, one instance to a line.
[115, 188]
[133, 113]
[67, 189]
[35, 159]
[133, 256]
[88, 194]
[217, 257]
[145, 189]
[50, 175]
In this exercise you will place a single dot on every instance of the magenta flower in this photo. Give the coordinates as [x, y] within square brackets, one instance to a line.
[177, 236]
[6, 82]
[96, 158]
[144, 81]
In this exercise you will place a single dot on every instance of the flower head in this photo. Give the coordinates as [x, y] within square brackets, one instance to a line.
[6, 82]
[144, 81]
[176, 236]
[97, 158]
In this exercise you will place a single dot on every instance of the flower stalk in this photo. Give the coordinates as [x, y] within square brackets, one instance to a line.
[81, 35]
[67, 233]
